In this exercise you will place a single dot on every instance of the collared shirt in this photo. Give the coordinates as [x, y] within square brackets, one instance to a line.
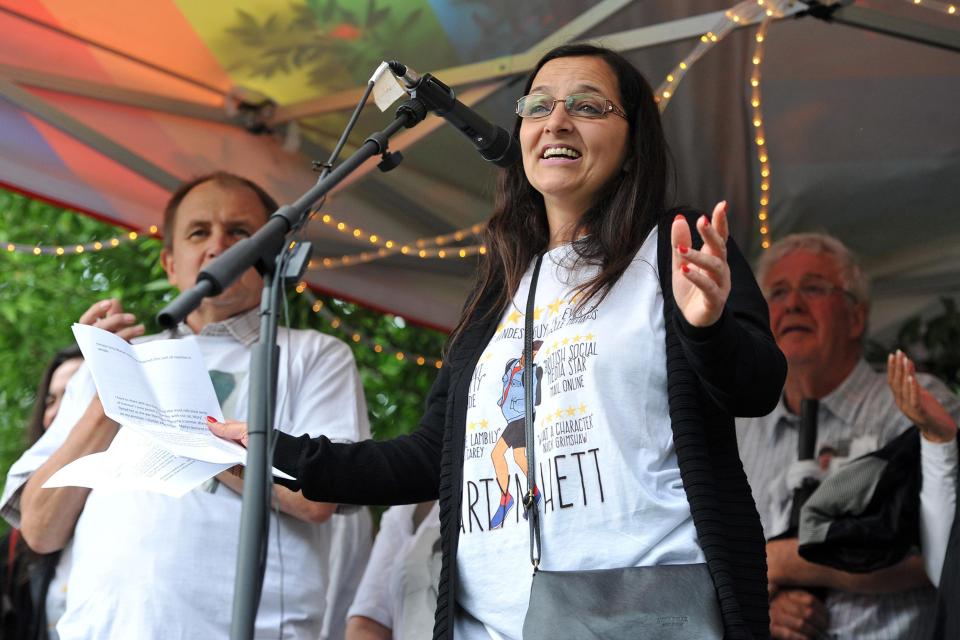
[243, 327]
[857, 417]
[351, 527]
[150, 566]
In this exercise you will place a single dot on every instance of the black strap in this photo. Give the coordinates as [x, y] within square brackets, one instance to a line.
[529, 501]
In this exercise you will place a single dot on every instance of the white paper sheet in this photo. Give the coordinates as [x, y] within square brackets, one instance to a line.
[386, 88]
[133, 462]
[161, 391]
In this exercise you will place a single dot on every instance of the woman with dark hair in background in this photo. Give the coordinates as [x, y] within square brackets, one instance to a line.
[654, 336]
[28, 607]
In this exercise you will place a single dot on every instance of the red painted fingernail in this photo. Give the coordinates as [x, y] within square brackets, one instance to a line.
[679, 217]
[685, 268]
[212, 420]
[706, 221]
[682, 249]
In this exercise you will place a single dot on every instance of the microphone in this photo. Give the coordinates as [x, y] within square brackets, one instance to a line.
[494, 143]
[806, 450]
[807, 430]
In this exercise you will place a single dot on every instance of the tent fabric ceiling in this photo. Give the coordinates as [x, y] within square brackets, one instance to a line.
[107, 106]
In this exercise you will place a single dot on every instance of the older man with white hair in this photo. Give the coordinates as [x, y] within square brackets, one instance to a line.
[819, 298]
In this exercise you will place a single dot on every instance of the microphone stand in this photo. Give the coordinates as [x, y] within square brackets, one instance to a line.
[264, 250]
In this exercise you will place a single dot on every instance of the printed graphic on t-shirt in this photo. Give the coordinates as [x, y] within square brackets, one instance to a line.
[569, 469]
[224, 385]
[607, 483]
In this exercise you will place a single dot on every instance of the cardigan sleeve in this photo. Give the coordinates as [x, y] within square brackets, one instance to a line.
[736, 358]
[403, 470]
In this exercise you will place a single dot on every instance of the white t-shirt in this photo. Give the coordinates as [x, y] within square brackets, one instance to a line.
[399, 588]
[606, 466]
[149, 566]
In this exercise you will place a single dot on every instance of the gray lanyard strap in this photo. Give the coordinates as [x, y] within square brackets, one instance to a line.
[529, 500]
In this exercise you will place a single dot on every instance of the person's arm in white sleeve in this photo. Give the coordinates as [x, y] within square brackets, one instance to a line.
[48, 516]
[938, 502]
[374, 601]
[933, 409]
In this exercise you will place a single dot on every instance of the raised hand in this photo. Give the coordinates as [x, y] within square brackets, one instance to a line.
[917, 403]
[109, 316]
[701, 278]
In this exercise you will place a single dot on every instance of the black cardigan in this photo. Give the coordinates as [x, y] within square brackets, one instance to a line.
[732, 368]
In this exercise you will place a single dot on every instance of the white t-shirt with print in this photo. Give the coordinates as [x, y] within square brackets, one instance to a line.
[611, 493]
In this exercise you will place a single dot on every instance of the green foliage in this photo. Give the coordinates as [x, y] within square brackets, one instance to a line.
[395, 389]
[933, 343]
[41, 296]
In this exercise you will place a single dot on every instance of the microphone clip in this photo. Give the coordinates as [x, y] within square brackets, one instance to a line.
[389, 161]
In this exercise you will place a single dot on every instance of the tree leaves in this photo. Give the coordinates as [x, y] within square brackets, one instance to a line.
[41, 296]
[933, 342]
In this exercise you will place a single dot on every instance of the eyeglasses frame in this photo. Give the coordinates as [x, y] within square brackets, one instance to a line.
[609, 106]
[829, 287]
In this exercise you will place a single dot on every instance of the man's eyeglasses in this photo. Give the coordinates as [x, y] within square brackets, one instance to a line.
[578, 105]
[809, 290]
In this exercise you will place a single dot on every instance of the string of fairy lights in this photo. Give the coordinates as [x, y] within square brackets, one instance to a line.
[451, 245]
[435, 247]
[944, 7]
[760, 136]
[745, 12]
[337, 323]
[742, 13]
[77, 248]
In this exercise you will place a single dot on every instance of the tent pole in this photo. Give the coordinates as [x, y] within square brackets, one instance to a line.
[852, 15]
[91, 137]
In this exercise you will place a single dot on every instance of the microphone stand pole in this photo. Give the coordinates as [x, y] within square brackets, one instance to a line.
[265, 251]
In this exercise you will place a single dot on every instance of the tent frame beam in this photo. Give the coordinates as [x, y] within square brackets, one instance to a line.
[112, 93]
[94, 139]
[584, 22]
[851, 15]
[478, 72]
[508, 66]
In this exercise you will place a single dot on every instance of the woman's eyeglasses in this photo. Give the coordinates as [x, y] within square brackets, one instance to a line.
[578, 105]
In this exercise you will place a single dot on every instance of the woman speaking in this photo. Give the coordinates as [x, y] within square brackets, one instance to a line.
[583, 416]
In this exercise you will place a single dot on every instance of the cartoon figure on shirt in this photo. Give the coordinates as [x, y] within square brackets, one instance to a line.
[513, 437]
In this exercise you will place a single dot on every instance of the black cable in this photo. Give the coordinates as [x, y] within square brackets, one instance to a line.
[328, 165]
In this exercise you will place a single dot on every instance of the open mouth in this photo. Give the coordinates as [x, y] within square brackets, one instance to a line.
[795, 329]
[559, 151]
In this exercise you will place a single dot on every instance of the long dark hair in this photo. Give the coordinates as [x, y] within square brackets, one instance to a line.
[36, 427]
[614, 227]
